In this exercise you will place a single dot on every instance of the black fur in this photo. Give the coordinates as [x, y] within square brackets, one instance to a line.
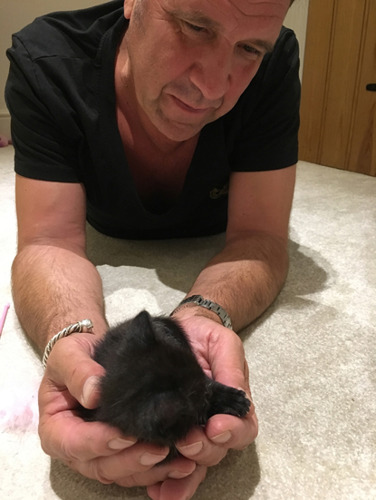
[154, 388]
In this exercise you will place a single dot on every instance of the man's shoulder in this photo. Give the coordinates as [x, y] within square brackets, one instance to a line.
[70, 33]
[280, 64]
[287, 46]
[284, 56]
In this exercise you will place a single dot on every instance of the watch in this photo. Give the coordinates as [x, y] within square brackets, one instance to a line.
[208, 304]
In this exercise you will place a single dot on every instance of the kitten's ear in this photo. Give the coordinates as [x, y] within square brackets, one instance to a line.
[143, 325]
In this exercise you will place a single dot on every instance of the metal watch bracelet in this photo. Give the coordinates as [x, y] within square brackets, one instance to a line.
[208, 304]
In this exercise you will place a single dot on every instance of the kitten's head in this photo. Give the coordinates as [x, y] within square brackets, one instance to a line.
[154, 388]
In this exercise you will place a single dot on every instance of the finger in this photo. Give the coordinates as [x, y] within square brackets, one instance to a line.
[222, 432]
[178, 469]
[237, 377]
[198, 447]
[209, 445]
[231, 368]
[137, 461]
[71, 365]
[68, 437]
[232, 432]
[178, 489]
[135, 467]
[64, 434]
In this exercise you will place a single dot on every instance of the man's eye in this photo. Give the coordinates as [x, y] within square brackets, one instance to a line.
[194, 27]
[252, 51]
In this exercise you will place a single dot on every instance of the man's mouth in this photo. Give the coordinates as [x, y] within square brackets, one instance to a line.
[190, 108]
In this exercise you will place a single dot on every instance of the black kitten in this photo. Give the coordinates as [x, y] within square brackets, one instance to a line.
[154, 388]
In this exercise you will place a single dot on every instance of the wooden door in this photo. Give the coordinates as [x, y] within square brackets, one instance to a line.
[338, 113]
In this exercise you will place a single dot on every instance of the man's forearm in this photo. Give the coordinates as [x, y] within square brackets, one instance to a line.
[53, 287]
[245, 277]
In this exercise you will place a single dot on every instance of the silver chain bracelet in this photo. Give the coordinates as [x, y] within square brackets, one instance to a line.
[81, 326]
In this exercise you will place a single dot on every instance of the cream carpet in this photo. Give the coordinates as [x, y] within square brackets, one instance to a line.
[312, 355]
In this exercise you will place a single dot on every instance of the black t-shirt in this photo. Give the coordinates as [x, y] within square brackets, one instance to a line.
[61, 96]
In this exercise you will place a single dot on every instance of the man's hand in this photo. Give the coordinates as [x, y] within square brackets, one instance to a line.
[94, 449]
[220, 352]
[101, 452]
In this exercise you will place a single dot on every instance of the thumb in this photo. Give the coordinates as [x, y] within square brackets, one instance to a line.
[71, 366]
[227, 359]
[90, 394]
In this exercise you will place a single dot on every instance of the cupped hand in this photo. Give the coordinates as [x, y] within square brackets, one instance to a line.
[101, 452]
[220, 352]
[96, 450]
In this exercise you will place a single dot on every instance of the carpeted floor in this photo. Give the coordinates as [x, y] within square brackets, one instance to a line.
[312, 356]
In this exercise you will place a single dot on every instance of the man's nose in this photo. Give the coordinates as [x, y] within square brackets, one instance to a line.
[211, 72]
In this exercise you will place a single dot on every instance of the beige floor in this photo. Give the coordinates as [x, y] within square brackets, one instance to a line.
[312, 355]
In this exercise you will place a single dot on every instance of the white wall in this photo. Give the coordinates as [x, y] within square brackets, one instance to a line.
[297, 20]
[15, 14]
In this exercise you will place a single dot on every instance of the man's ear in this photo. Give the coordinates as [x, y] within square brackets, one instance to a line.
[128, 7]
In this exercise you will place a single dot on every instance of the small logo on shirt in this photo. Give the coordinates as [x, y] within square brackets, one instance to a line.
[217, 193]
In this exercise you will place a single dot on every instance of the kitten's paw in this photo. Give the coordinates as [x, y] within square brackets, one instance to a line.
[229, 400]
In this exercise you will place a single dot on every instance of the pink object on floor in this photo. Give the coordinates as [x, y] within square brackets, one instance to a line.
[3, 317]
[4, 141]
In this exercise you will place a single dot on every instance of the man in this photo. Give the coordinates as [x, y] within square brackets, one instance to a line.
[155, 118]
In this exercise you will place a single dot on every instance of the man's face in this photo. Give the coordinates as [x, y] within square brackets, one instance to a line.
[188, 61]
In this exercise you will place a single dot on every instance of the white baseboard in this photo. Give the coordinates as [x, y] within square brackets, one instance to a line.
[5, 124]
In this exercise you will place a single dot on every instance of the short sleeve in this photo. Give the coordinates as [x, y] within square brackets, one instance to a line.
[268, 124]
[44, 148]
